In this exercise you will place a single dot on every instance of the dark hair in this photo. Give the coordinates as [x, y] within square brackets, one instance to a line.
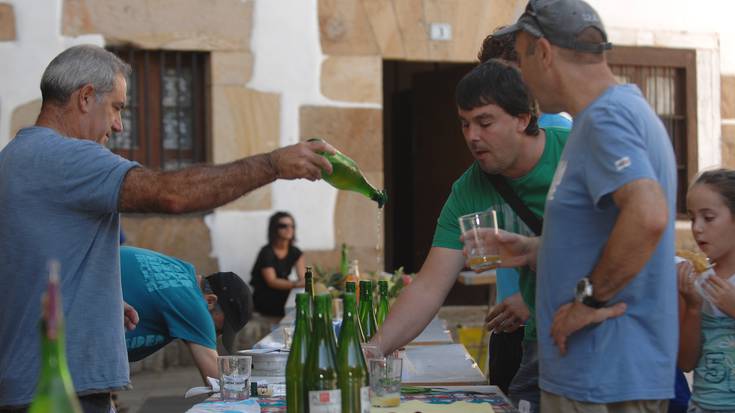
[498, 47]
[723, 182]
[273, 226]
[499, 83]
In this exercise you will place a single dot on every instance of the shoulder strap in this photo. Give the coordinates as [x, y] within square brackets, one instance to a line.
[501, 185]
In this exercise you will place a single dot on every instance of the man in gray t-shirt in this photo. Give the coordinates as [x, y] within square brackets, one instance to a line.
[60, 194]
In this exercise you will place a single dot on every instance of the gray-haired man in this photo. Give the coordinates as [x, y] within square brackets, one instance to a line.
[60, 195]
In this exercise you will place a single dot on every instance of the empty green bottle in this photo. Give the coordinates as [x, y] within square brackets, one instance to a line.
[55, 392]
[347, 175]
[320, 376]
[366, 311]
[353, 374]
[383, 304]
[295, 366]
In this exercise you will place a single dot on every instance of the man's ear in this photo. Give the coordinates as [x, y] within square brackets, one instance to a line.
[211, 301]
[523, 120]
[85, 98]
[543, 48]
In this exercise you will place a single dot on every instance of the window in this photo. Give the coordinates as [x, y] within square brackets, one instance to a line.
[667, 79]
[164, 122]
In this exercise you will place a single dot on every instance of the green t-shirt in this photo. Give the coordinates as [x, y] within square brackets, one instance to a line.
[472, 192]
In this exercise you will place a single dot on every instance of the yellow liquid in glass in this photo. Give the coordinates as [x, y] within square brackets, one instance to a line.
[484, 263]
[388, 400]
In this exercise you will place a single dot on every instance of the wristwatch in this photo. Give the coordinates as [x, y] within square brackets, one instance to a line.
[584, 293]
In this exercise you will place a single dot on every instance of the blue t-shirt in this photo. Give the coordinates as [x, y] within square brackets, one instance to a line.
[59, 200]
[170, 304]
[617, 139]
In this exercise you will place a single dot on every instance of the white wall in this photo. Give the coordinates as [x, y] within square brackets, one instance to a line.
[38, 40]
[685, 17]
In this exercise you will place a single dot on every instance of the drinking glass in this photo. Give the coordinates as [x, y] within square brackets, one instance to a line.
[482, 256]
[385, 381]
[234, 377]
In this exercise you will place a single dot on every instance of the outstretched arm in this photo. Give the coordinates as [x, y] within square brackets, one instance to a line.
[203, 187]
[420, 300]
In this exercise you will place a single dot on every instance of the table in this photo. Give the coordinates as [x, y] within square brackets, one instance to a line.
[445, 398]
[440, 364]
[436, 332]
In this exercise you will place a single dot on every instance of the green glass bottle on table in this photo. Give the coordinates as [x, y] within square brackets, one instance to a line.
[344, 263]
[320, 376]
[55, 391]
[309, 290]
[295, 366]
[353, 375]
[347, 175]
[383, 304]
[366, 311]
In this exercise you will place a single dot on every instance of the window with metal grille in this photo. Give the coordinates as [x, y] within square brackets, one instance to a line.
[667, 79]
[164, 121]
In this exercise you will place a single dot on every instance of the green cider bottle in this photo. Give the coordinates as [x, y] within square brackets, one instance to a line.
[366, 312]
[309, 290]
[346, 175]
[295, 394]
[353, 375]
[55, 392]
[383, 304]
[321, 386]
[344, 263]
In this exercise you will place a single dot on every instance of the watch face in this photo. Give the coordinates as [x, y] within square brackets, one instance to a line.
[584, 289]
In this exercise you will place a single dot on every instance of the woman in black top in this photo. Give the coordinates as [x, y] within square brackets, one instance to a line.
[274, 264]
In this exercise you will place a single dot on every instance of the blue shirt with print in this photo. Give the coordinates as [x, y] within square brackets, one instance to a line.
[169, 302]
[616, 140]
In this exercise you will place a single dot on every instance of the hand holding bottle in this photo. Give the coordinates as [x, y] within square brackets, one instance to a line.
[301, 160]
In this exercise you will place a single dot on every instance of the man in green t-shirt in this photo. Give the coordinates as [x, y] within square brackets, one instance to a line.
[499, 123]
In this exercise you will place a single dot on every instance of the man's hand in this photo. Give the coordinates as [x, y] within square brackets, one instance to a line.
[722, 294]
[130, 316]
[301, 160]
[509, 315]
[515, 250]
[685, 281]
[574, 316]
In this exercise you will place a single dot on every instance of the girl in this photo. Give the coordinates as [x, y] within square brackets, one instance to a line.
[707, 336]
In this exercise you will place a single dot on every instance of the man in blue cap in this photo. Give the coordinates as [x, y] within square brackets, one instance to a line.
[606, 301]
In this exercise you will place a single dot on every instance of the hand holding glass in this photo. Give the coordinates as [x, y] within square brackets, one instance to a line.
[234, 377]
[481, 255]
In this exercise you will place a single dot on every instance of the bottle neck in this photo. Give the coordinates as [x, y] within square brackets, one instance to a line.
[53, 352]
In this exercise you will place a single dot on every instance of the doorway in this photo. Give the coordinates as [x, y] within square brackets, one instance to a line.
[424, 153]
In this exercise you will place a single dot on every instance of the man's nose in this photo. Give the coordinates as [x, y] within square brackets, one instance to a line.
[117, 124]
